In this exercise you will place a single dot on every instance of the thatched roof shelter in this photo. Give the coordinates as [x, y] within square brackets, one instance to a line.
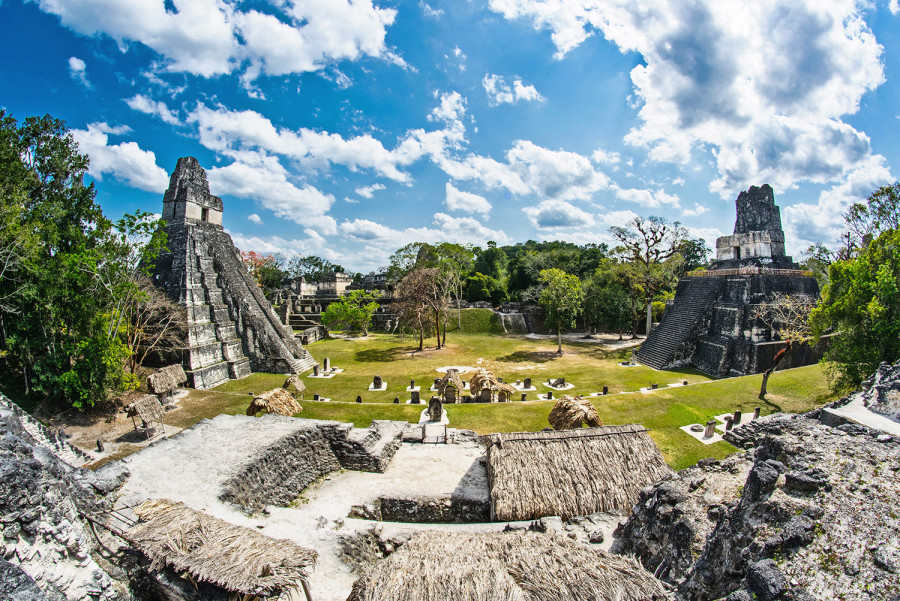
[166, 380]
[485, 380]
[278, 401]
[295, 386]
[237, 559]
[148, 408]
[451, 379]
[514, 566]
[569, 414]
[571, 472]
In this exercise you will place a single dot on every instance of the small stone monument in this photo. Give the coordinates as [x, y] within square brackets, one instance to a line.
[316, 369]
[358, 398]
[605, 389]
[316, 398]
[710, 429]
[549, 395]
[654, 386]
[396, 400]
[633, 358]
[737, 417]
[435, 409]
[412, 384]
[414, 397]
[377, 384]
[437, 383]
[729, 423]
[99, 446]
[485, 395]
[756, 413]
[527, 383]
[326, 364]
[524, 396]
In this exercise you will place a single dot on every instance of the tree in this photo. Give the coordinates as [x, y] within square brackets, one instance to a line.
[481, 287]
[695, 254]
[652, 244]
[413, 300]
[861, 307]
[411, 256]
[878, 214]
[311, 268]
[156, 325]
[491, 261]
[606, 300]
[816, 259]
[454, 264]
[354, 312]
[788, 318]
[561, 298]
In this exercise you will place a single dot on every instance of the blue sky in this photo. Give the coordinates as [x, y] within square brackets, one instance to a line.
[347, 128]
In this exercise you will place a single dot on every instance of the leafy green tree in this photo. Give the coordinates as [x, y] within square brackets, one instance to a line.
[695, 254]
[562, 299]
[861, 307]
[878, 214]
[491, 261]
[311, 268]
[353, 312]
[481, 287]
[454, 264]
[411, 256]
[816, 259]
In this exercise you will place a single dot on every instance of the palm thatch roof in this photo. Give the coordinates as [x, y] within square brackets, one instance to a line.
[166, 379]
[570, 472]
[569, 413]
[485, 380]
[237, 559]
[278, 401]
[294, 385]
[148, 408]
[451, 378]
[514, 566]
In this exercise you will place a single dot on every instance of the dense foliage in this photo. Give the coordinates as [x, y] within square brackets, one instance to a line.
[71, 290]
[353, 312]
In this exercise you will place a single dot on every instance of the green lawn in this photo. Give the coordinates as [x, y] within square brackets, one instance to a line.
[515, 357]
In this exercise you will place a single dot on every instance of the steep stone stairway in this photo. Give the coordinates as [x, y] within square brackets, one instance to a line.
[693, 299]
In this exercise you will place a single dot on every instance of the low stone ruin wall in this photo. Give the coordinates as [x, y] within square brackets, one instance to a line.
[278, 473]
[425, 510]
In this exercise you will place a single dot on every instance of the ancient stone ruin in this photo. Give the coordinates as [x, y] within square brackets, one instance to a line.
[714, 323]
[232, 329]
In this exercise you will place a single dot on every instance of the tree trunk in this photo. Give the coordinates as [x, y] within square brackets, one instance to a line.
[779, 357]
[558, 341]
[620, 333]
[437, 327]
[421, 334]
[459, 313]
[649, 316]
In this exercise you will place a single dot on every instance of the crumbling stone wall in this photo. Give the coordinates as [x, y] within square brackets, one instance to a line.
[815, 517]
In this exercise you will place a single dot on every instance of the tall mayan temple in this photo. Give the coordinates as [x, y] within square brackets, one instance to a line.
[713, 323]
[232, 329]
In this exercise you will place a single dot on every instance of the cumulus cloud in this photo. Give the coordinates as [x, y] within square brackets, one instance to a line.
[696, 211]
[369, 191]
[146, 105]
[78, 71]
[452, 107]
[500, 92]
[554, 214]
[459, 200]
[264, 179]
[769, 106]
[647, 198]
[125, 162]
[446, 229]
[429, 11]
[214, 37]
[894, 7]
[556, 174]
[255, 218]
[608, 157]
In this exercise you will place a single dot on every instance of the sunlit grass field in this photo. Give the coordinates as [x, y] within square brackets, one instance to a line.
[586, 365]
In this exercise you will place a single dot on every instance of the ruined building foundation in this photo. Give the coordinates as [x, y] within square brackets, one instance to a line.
[232, 330]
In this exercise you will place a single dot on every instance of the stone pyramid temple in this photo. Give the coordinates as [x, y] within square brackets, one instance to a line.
[713, 323]
[232, 329]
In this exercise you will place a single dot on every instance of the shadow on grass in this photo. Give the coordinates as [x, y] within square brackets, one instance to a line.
[529, 357]
[375, 355]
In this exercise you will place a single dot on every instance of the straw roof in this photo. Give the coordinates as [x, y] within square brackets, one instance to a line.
[484, 379]
[148, 408]
[451, 378]
[278, 401]
[514, 566]
[211, 550]
[166, 379]
[571, 472]
[569, 413]
[294, 385]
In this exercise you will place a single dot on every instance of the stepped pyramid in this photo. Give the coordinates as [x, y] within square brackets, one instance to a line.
[713, 322]
[232, 329]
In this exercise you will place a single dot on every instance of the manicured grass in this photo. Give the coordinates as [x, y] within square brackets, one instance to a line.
[586, 365]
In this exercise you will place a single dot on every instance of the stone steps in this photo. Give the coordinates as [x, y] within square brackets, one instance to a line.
[692, 302]
[45, 437]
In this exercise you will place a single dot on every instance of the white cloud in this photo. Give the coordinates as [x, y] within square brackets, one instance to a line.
[428, 11]
[125, 162]
[557, 174]
[696, 211]
[263, 179]
[213, 37]
[459, 200]
[369, 191]
[255, 218]
[608, 157]
[553, 214]
[78, 71]
[446, 229]
[143, 104]
[894, 7]
[647, 198]
[500, 92]
[451, 108]
[769, 107]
